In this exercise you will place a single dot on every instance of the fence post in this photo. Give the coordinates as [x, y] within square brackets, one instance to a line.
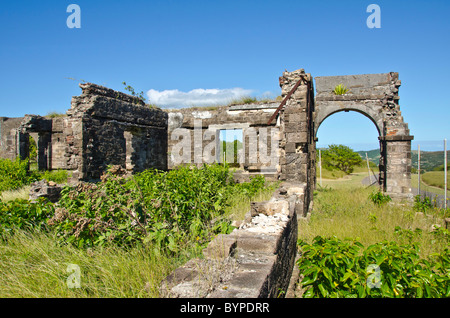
[418, 169]
[445, 173]
[368, 168]
[320, 167]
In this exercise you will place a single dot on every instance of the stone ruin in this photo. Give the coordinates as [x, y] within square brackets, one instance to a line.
[104, 127]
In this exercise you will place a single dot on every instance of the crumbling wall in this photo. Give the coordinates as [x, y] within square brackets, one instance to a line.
[254, 261]
[193, 136]
[376, 97]
[9, 137]
[298, 147]
[105, 127]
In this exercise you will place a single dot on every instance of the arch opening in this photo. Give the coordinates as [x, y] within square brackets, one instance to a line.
[354, 129]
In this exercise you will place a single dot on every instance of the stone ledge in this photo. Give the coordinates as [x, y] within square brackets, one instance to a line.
[255, 260]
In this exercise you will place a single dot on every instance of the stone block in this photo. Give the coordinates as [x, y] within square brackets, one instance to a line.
[297, 137]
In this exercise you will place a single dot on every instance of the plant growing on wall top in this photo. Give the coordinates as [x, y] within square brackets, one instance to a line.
[133, 93]
[340, 89]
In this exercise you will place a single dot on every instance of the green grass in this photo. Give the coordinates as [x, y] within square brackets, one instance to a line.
[334, 174]
[240, 203]
[34, 265]
[435, 179]
[426, 187]
[342, 208]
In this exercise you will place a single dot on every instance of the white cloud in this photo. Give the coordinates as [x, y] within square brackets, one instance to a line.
[197, 97]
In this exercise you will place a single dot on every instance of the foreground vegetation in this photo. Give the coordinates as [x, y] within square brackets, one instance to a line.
[15, 174]
[125, 234]
[357, 243]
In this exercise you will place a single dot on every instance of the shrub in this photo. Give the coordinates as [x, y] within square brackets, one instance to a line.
[422, 205]
[335, 268]
[14, 174]
[379, 198]
[58, 176]
[166, 209]
[22, 214]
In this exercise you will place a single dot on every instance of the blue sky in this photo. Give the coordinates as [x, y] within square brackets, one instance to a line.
[189, 48]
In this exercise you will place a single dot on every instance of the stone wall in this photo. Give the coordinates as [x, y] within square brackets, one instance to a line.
[194, 136]
[9, 137]
[298, 148]
[254, 261]
[112, 128]
[103, 127]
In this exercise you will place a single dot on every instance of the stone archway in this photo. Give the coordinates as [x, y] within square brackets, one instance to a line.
[373, 95]
[376, 97]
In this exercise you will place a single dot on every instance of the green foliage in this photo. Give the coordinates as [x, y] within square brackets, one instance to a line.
[21, 214]
[55, 114]
[32, 149]
[58, 176]
[340, 157]
[335, 268]
[340, 90]
[14, 174]
[379, 198]
[133, 93]
[250, 189]
[164, 209]
[422, 205]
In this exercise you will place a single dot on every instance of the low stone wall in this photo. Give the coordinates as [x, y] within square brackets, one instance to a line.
[254, 261]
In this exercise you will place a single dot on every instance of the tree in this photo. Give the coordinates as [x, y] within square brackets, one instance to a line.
[340, 157]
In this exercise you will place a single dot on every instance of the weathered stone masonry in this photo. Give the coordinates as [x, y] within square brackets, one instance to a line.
[376, 97]
[105, 127]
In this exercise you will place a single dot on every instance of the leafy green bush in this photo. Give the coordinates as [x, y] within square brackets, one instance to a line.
[166, 209]
[379, 198]
[22, 214]
[251, 188]
[422, 205]
[14, 174]
[335, 268]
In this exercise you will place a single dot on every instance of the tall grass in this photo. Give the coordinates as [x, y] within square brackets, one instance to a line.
[35, 263]
[32, 265]
[344, 210]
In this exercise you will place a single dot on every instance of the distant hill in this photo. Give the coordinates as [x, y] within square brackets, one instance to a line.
[428, 159]
[374, 155]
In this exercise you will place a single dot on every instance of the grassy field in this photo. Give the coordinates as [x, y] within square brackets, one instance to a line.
[427, 187]
[435, 179]
[342, 208]
[33, 264]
